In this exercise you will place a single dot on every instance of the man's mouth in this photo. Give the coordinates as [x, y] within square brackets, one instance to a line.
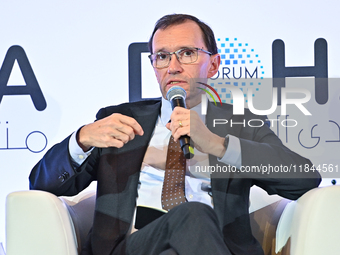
[170, 83]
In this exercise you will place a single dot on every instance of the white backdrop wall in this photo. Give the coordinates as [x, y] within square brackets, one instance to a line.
[78, 51]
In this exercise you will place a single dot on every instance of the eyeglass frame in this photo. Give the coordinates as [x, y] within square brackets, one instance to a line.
[176, 53]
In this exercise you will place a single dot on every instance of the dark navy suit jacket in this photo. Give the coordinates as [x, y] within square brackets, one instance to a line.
[117, 173]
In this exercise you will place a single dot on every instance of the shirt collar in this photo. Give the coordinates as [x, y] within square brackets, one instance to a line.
[166, 111]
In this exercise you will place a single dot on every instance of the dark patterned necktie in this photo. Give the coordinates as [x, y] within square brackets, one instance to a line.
[174, 177]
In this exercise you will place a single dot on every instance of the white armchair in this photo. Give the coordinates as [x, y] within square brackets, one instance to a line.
[311, 225]
[39, 223]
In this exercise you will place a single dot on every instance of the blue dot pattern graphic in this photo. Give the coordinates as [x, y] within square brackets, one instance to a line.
[242, 63]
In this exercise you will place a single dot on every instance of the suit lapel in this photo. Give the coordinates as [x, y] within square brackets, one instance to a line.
[118, 175]
[146, 117]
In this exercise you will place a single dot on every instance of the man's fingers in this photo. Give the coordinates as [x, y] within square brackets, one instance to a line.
[112, 131]
[124, 133]
[123, 129]
[180, 132]
[131, 122]
[180, 110]
[111, 141]
[126, 125]
[180, 122]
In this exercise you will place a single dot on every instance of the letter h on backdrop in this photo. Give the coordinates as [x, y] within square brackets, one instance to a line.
[319, 70]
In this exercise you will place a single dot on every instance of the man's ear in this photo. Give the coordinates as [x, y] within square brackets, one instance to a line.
[215, 64]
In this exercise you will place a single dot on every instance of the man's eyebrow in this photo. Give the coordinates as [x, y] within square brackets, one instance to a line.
[160, 50]
[179, 48]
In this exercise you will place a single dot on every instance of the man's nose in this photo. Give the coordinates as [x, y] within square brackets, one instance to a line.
[174, 66]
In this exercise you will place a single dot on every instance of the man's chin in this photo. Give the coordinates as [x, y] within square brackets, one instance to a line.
[192, 102]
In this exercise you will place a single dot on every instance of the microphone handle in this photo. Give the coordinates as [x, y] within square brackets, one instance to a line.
[188, 150]
[184, 140]
[178, 101]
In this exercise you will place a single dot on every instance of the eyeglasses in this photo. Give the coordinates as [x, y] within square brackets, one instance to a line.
[184, 56]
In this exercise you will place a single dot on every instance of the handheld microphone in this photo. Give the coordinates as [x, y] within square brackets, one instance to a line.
[176, 95]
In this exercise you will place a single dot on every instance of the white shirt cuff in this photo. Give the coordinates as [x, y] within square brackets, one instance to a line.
[232, 155]
[77, 154]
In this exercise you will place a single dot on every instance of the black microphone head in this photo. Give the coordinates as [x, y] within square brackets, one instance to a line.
[176, 91]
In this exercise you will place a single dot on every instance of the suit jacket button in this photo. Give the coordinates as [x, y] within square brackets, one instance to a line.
[61, 178]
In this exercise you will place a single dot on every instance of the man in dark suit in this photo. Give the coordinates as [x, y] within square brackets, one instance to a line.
[125, 148]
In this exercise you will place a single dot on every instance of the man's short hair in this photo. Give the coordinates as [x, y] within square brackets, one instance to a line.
[176, 19]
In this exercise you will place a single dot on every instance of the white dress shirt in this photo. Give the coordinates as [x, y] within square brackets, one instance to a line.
[152, 170]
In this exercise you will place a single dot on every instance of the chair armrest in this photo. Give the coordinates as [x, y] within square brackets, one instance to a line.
[38, 223]
[312, 223]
